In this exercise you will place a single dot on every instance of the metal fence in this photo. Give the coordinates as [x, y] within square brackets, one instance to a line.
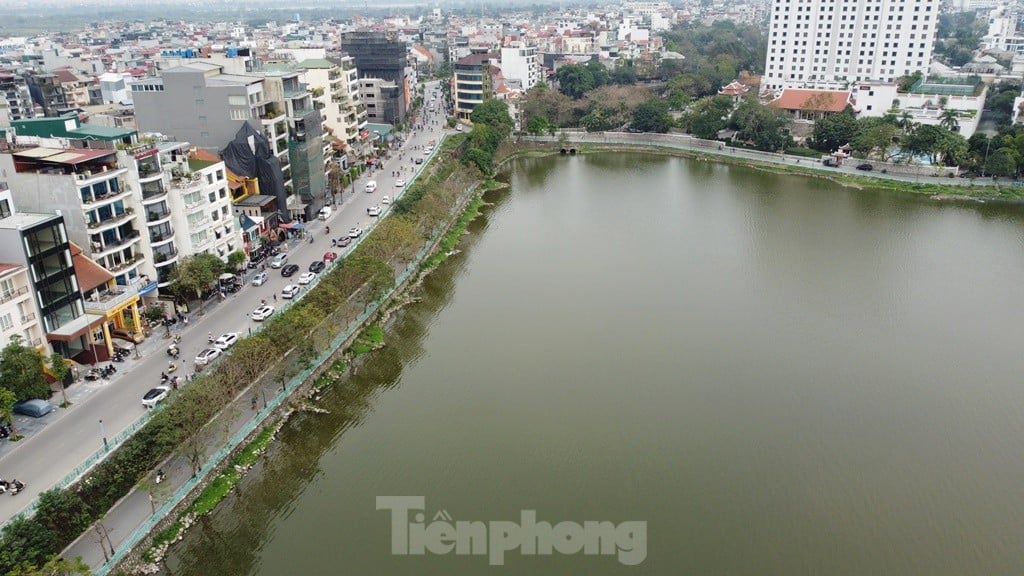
[261, 416]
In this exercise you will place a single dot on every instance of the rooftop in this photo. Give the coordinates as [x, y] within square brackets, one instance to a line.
[317, 63]
[812, 100]
[70, 157]
[24, 220]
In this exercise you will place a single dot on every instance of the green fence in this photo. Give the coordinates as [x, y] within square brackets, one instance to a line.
[179, 495]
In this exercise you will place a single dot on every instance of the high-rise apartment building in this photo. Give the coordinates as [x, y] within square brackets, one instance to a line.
[376, 55]
[834, 43]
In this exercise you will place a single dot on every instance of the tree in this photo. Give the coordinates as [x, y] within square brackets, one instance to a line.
[538, 125]
[624, 72]
[875, 137]
[652, 116]
[1002, 162]
[7, 400]
[21, 371]
[905, 121]
[925, 139]
[760, 125]
[574, 80]
[55, 566]
[950, 120]
[493, 113]
[236, 258]
[25, 541]
[59, 370]
[196, 273]
[64, 513]
[834, 131]
[708, 116]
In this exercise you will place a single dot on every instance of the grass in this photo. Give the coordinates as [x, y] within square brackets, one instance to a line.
[369, 339]
[331, 375]
[451, 238]
[216, 491]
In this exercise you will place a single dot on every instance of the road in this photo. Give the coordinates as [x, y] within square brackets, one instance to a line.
[70, 437]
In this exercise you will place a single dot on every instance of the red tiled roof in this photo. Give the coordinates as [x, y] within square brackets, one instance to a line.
[90, 274]
[205, 155]
[8, 267]
[812, 100]
[734, 89]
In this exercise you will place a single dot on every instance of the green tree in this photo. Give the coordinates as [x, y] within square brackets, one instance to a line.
[7, 401]
[574, 80]
[835, 130]
[64, 513]
[952, 148]
[55, 566]
[708, 116]
[624, 73]
[874, 138]
[950, 120]
[905, 121]
[59, 370]
[652, 116]
[195, 274]
[25, 541]
[493, 113]
[236, 258]
[1002, 162]
[762, 126]
[538, 125]
[21, 371]
[925, 139]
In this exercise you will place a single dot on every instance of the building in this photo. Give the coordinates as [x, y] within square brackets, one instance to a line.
[39, 242]
[376, 55]
[16, 94]
[811, 105]
[335, 89]
[471, 83]
[834, 43]
[382, 99]
[519, 64]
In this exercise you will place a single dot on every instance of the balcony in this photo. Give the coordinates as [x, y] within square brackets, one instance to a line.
[130, 263]
[153, 192]
[106, 173]
[157, 214]
[164, 258]
[28, 318]
[100, 226]
[111, 299]
[12, 295]
[90, 201]
[99, 250]
[161, 236]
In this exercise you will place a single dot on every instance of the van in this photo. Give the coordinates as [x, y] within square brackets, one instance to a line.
[324, 213]
[371, 186]
[279, 260]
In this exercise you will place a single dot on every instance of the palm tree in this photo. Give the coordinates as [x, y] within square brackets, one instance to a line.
[905, 121]
[950, 120]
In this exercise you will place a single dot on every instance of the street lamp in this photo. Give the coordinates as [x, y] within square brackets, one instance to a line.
[103, 434]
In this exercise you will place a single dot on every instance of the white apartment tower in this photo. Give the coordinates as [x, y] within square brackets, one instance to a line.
[832, 43]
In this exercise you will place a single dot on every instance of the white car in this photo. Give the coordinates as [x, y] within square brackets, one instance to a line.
[259, 279]
[226, 340]
[207, 356]
[290, 291]
[458, 127]
[262, 313]
[306, 278]
[373, 211]
[429, 148]
[355, 233]
[371, 186]
[155, 396]
[400, 183]
[385, 200]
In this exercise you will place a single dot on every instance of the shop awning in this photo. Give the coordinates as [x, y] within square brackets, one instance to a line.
[291, 225]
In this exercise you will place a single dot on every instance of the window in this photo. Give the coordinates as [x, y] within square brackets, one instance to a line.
[6, 288]
[5, 208]
[6, 323]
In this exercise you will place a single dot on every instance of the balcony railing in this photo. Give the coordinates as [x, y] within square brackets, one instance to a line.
[161, 236]
[111, 298]
[28, 318]
[112, 221]
[35, 342]
[151, 192]
[159, 257]
[158, 214]
[7, 297]
[100, 248]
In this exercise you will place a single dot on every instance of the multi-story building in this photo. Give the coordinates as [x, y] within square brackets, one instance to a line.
[39, 243]
[383, 100]
[336, 94]
[834, 43]
[16, 94]
[376, 55]
[519, 64]
[18, 313]
[47, 91]
[471, 83]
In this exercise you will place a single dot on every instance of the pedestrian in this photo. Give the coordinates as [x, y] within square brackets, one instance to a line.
[253, 401]
[185, 321]
[264, 300]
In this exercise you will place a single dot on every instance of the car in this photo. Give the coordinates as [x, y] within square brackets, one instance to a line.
[371, 186]
[129, 335]
[289, 270]
[290, 291]
[400, 183]
[355, 233]
[418, 160]
[865, 167]
[373, 211]
[262, 313]
[428, 149]
[207, 356]
[259, 279]
[279, 260]
[324, 213]
[155, 396]
[317, 266]
[34, 408]
[226, 340]
[458, 127]
[306, 278]
[344, 241]
[385, 200]
[330, 256]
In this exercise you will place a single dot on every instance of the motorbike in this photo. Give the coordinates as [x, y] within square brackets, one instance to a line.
[14, 487]
[159, 476]
[5, 431]
[171, 367]
[108, 371]
[93, 374]
[173, 351]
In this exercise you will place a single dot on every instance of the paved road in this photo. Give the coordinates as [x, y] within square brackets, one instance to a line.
[69, 437]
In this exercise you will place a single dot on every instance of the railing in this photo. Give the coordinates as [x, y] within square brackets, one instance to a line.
[154, 215]
[35, 341]
[8, 296]
[28, 317]
[108, 246]
[149, 192]
[159, 257]
[161, 236]
[272, 404]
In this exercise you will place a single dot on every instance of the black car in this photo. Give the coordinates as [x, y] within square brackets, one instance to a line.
[418, 160]
[289, 270]
[317, 267]
[865, 167]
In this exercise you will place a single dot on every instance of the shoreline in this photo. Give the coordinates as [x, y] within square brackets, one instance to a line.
[934, 188]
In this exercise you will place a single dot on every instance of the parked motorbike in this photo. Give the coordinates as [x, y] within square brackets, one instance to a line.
[93, 374]
[14, 487]
[5, 431]
[108, 371]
